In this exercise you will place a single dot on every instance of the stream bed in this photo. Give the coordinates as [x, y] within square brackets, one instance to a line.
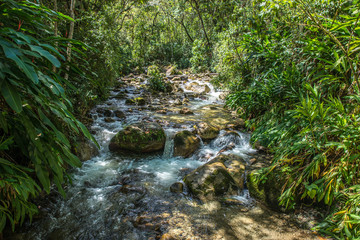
[127, 196]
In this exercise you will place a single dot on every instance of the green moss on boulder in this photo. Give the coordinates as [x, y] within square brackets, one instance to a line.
[224, 175]
[207, 131]
[185, 143]
[269, 190]
[139, 137]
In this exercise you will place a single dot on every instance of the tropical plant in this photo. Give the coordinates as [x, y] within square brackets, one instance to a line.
[35, 110]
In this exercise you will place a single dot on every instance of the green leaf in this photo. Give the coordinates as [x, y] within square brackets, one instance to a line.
[46, 54]
[11, 96]
[13, 54]
[87, 133]
[43, 176]
[2, 221]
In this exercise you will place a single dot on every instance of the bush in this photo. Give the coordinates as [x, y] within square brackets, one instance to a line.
[156, 82]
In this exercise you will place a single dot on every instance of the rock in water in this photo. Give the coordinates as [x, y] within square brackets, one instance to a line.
[86, 150]
[166, 236]
[207, 131]
[186, 111]
[119, 114]
[224, 175]
[139, 137]
[177, 187]
[185, 143]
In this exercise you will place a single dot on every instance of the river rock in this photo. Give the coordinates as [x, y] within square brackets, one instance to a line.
[107, 113]
[167, 236]
[178, 102]
[139, 137]
[185, 143]
[109, 120]
[186, 111]
[177, 187]
[119, 114]
[269, 191]
[198, 88]
[207, 131]
[86, 150]
[224, 175]
[121, 95]
[135, 101]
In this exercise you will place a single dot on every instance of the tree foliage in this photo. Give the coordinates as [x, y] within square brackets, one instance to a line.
[35, 110]
[291, 66]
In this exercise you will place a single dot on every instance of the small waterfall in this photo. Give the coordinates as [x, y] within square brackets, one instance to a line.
[230, 137]
[169, 144]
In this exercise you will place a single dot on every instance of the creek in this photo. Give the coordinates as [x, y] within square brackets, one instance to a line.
[127, 196]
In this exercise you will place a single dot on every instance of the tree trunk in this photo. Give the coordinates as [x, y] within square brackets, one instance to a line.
[55, 29]
[71, 33]
[201, 20]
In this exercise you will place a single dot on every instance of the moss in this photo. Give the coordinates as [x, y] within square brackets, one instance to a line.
[129, 102]
[256, 191]
[139, 101]
[268, 191]
[180, 137]
[140, 137]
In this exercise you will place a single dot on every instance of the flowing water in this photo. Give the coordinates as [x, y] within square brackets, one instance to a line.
[126, 196]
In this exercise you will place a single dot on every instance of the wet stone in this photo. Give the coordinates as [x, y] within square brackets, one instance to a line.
[107, 113]
[186, 111]
[177, 187]
[119, 114]
[109, 120]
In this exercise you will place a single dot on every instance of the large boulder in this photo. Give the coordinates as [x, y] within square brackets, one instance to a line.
[267, 191]
[224, 175]
[86, 150]
[185, 143]
[139, 137]
[207, 131]
[198, 88]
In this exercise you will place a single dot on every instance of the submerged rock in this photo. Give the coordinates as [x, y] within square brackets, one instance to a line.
[207, 131]
[185, 143]
[139, 137]
[224, 175]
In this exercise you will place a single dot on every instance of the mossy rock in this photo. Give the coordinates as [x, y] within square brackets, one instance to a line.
[207, 131]
[135, 101]
[267, 191]
[235, 165]
[86, 150]
[140, 101]
[224, 175]
[185, 143]
[130, 101]
[139, 137]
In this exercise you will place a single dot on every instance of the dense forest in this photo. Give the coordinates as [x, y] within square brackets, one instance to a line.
[291, 69]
